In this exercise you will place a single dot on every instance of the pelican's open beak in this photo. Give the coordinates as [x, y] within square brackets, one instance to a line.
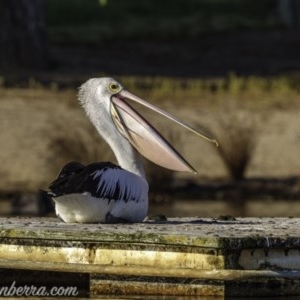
[144, 137]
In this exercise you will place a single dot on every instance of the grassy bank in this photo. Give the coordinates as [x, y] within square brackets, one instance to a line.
[236, 110]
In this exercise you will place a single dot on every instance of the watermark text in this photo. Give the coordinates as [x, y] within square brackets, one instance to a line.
[37, 291]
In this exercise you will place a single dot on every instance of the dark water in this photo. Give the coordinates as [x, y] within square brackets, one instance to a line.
[32, 205]
[214, 208]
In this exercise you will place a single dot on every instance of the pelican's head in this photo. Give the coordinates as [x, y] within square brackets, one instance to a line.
[108, 96]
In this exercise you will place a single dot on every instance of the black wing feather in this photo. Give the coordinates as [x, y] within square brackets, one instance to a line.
[77, 178]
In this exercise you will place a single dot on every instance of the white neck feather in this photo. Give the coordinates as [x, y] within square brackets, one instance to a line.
[126, 155]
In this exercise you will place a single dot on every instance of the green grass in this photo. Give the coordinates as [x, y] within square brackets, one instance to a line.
[251, 92]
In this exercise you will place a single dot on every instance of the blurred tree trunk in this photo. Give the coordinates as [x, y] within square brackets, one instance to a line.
[289, 12]
[23, 34]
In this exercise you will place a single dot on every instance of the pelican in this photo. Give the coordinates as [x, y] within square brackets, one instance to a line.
[103, 192]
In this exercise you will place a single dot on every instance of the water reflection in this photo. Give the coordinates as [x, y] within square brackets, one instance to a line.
[215, 208]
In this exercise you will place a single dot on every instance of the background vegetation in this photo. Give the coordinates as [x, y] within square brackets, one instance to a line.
[107, 20]
[230, 67]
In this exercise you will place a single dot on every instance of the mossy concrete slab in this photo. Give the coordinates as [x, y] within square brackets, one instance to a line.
[186, 256]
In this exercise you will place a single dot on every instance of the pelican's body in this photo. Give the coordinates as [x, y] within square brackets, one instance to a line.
[99, 192]
[104, 192]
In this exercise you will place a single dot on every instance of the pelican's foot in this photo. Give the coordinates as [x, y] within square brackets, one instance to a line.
[110, 219]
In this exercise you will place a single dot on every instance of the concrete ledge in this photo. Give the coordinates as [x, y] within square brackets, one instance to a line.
[184, 256]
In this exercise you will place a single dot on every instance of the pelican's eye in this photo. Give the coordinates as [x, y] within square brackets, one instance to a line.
[114, 87]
